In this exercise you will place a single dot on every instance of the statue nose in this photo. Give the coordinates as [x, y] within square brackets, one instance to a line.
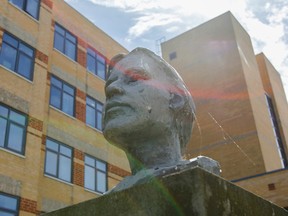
[113, 89]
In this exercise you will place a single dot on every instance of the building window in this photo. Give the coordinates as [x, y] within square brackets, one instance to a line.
[276, 131]
[94, 113]
[62, 96]
[95, 174]
[13, 126]
[17, 56]
[172, 56]
[9, 205]
[65, 42]
[96, 64]
[31, 7]
[58, 162]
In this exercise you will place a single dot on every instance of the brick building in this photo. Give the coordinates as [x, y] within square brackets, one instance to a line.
[241, 106]
[52, 151]
[53, 63]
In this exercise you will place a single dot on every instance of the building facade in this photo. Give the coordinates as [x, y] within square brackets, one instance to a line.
[53, 64]
[241, 108]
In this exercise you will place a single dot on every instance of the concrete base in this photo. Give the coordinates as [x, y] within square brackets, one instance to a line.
[191, 192]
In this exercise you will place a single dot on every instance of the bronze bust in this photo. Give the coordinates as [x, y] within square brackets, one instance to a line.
[148, 113]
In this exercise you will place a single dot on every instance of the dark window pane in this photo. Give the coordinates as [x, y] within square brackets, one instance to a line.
[27, 50]
[90, 116]
[65, 168]
[101, 182]
[25, 66]
[55, 97]
[19, 3]
[68, 89]
[16, 117]
[70, 50]
[51, 163]
[8, 56]
[3, 111]
[8, 202]
[59, 42]
[91, 64]
[52, 145]
[100, 59]
[90, 102]
[60, 30]
[68, 104]
[2, 213]
[56, 82]
[16, 135]
[90, 161]
[99, 121]
[71, 38]
[10, 40]
[90, 178]
[99, 107]
[91, 52]
[66, 151]
[3, 127]
[101, 71]
[101, 166]
[32, 8]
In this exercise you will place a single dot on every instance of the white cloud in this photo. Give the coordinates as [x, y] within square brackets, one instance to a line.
[264, 21]
[149, 21]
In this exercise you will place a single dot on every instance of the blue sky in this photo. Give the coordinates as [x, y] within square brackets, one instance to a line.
[135, 23]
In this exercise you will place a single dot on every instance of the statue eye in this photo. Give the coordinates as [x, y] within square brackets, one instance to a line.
[134, 75]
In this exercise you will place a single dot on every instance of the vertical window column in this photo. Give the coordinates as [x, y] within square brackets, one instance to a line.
[276, 131]
[9, 205]
[58, 160]
[95, 174]
[94, 113]
[62, 96]
[13, 127]
[17, 56]
[65, 42]
[32, 7]
[96, 64]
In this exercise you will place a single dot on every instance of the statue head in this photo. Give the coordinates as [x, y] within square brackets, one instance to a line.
[148, 112]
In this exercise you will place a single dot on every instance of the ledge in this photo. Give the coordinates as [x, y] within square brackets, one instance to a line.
[192, 192]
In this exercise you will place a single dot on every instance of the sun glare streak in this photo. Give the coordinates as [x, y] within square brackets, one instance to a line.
[226, 135]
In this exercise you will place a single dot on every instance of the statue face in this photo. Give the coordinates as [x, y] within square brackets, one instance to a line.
[137, 101]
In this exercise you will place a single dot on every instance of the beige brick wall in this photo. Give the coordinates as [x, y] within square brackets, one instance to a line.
[24, 175]
[271, 186]
[208, 59]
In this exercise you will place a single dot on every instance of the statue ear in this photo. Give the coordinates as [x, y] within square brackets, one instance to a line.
[176, 101]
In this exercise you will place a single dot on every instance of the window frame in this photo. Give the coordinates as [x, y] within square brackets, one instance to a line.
[18, 54]
[94, 55]
[58, 154]
[276, 130]
[16, 211]
[24, 8]
[65, 36]
[62, 92]
[96, 111]
[10, 122]
[96, 170]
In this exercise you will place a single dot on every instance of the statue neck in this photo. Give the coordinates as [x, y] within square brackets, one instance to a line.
[153, 154]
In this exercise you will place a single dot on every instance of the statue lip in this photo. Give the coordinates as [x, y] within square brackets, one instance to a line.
[115, 104]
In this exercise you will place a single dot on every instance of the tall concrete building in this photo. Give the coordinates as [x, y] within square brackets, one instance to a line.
[53, 63]
[241, 108]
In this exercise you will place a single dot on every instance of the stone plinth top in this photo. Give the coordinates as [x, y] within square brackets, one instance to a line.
[190, 192]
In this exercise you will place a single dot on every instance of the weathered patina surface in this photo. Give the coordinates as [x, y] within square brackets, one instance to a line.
[148, 112]
[193, 192]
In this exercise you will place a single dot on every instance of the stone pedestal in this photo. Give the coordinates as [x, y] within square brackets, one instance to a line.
[190, 192]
